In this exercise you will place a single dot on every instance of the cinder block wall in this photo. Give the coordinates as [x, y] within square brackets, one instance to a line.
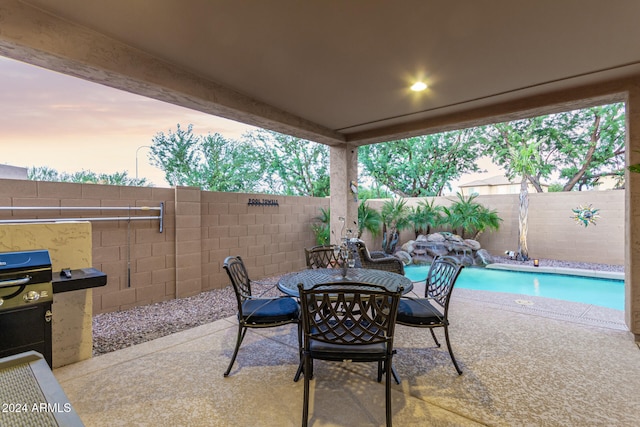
[201, 229]
[552, 229]
[270, 239]
[553, 233]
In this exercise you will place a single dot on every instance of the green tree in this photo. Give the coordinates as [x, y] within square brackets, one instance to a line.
[82, 177]
[595, 146]
[209, 162]
[121, 178]
[375, 192]
[176, 153]
[580, 146]
[369, 219]
[525, 160]
[395, 218]
[555, 188]
[425, 216]
[43, 173]
[294, 166]
[422, 165]
[468, 218]
[85, 177]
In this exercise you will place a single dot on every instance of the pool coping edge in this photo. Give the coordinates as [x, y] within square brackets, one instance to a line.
[614, 275]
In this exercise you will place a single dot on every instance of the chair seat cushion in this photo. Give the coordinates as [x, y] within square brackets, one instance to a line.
[270, 310]
[418, 312]
[361, 352]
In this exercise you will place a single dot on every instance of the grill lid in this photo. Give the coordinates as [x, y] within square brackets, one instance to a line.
[37, 263]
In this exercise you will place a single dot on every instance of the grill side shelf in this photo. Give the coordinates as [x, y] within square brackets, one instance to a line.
[83, 278]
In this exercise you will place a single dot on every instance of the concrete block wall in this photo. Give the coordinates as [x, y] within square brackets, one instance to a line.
[552, 233]
[139, 260]
[269, 238]
[552, 228]
[188, 242]
[200, 229]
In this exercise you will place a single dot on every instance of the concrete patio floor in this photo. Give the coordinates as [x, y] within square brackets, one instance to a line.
[545, 362]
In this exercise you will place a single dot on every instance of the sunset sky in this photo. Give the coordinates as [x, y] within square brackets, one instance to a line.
[69, 124]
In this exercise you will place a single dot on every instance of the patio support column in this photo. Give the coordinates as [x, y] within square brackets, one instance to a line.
[343, 171]
[632, 213]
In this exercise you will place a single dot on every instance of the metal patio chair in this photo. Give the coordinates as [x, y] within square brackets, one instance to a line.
[322, 256]
[377, 260]
[348, 322]
[432, 311]
[257, 312]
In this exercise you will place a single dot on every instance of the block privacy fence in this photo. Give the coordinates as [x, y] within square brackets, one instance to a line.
[200, 229]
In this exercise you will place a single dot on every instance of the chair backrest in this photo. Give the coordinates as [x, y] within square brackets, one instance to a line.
[321, 256]
[239, 278]
[384, 262]
[353, 314]
[441, 279]
[362, 251]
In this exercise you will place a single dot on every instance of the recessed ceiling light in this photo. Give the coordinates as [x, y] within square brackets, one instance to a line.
[418, 86]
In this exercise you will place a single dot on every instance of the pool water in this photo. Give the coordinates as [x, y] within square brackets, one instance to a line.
[603, 292]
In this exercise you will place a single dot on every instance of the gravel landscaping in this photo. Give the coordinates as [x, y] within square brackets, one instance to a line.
[117, 330]
[120, 329]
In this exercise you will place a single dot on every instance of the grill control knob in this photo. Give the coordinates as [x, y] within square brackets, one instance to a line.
[31, 296]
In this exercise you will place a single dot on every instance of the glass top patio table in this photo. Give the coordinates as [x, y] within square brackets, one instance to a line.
[288, 283]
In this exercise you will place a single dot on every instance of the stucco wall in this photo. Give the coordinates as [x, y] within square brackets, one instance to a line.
[553, 233]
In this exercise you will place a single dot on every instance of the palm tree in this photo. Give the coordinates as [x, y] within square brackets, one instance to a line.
[488, 219]
[395, 218]
[425, 216]
[469, 218]
[525, 162]
[369, 219]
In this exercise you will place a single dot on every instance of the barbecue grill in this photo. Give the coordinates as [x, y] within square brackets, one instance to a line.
[26, 295]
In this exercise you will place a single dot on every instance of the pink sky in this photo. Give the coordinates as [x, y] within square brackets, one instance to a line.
[69, 124]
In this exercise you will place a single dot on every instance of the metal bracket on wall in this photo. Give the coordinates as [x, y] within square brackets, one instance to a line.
[129, 209]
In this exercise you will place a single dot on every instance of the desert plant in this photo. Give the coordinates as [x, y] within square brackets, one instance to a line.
[425, 216]
[369, 219]
[469, 218]
[395, 218]
[321, 227]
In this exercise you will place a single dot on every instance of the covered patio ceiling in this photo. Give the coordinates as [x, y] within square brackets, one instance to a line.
[337, 72]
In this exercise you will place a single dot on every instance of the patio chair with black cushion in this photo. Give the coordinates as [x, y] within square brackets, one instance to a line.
[352, 322]
[254, 311]
[432, 311]
[377, 261]
[323, 256]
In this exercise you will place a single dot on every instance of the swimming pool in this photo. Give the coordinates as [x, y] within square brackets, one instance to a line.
[589, 290]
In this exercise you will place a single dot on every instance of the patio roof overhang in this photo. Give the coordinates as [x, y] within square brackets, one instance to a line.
[339, 73]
